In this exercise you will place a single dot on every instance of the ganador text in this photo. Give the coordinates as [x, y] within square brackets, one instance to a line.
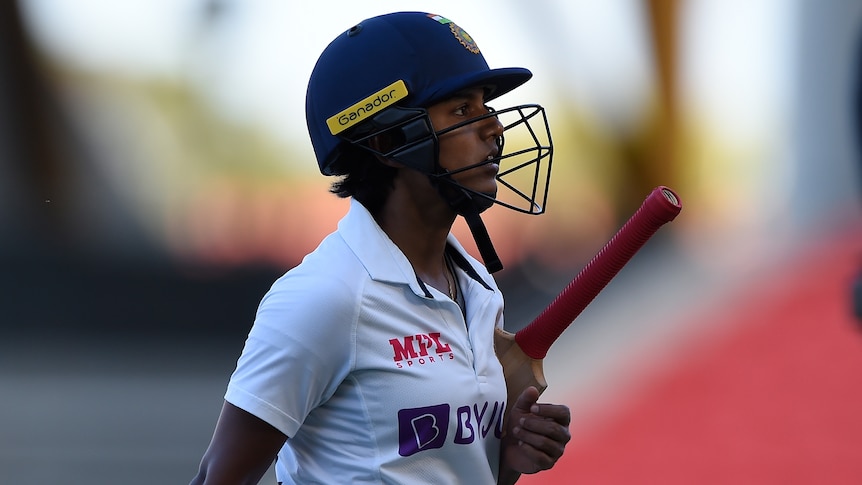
[380, 100]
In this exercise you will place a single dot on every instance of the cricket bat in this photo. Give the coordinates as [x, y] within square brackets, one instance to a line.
[521, 353]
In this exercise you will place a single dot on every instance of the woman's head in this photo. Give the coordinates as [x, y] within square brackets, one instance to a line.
[406, 61]
[369, 108]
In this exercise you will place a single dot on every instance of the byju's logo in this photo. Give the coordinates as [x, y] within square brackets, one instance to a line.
[420, 349]
[426, 428]
[422, 429]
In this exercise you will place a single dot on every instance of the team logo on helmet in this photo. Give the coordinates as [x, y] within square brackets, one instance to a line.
[463, 37]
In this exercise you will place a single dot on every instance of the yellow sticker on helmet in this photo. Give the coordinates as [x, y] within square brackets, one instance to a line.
[367, 107]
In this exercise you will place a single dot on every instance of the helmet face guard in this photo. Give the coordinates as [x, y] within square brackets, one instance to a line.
[524, 155]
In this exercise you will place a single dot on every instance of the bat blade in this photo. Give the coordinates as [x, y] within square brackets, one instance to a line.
[521, 353]
[519, 369]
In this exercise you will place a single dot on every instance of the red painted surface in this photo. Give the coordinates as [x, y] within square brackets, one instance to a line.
[775, 400]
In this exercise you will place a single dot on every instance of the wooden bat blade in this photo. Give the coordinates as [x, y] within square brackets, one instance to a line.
[519, 369]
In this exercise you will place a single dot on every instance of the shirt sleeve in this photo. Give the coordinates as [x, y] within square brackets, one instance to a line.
[298, 351]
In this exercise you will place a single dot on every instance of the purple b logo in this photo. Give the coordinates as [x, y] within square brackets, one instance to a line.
[422, 429]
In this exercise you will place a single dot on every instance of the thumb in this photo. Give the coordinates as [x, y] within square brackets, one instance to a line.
[525, 401]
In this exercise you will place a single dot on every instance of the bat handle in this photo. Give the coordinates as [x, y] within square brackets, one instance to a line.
[660, 207]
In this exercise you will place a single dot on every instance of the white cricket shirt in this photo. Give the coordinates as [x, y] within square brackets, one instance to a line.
[374, 376]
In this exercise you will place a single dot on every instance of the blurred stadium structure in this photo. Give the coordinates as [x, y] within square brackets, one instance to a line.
[143, 215]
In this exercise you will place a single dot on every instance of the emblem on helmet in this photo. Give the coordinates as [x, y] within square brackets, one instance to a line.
[463, 37]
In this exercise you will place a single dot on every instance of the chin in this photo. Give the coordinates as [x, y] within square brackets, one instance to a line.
[487, 187]
[484, 204]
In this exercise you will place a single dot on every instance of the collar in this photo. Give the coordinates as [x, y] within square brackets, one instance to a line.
[385, 262]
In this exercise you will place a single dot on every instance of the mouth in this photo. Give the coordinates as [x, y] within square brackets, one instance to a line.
[492, 163]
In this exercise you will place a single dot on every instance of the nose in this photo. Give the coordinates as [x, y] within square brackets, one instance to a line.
[492, 127]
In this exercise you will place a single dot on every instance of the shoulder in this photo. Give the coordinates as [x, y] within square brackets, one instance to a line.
[324, 287]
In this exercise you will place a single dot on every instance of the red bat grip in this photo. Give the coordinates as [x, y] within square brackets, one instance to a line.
[660, 207]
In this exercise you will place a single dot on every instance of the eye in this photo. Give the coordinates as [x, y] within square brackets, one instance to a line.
[461, 110]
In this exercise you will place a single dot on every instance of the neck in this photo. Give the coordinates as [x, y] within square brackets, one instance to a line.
[418, 221]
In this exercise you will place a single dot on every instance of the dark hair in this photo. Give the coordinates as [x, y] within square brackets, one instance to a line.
[363, 177]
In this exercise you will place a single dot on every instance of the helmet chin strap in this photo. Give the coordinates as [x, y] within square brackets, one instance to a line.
[468, 207]
[483, 241]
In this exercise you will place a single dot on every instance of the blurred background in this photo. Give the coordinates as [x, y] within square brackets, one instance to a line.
[156, 177]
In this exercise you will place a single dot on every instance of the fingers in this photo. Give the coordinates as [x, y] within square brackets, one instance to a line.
[556, 412]
[542, 430]
[538, 433]
[527, 399]
[527, 405]
[540, 443]
[542, 433]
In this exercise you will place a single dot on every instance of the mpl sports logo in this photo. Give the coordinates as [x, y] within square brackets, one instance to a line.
[427, 428]
[420, 349]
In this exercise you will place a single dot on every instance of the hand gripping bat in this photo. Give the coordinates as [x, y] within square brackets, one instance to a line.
[521, 353]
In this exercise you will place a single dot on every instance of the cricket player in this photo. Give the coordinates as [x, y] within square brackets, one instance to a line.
[373, 360]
